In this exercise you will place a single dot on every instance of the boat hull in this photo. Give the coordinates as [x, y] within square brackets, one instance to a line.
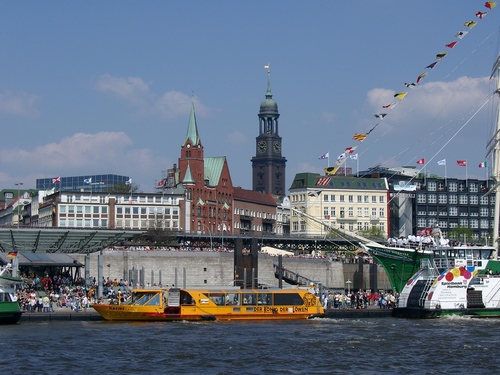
[10, 313]
[419, 313]
[399, 263]
[124, 313]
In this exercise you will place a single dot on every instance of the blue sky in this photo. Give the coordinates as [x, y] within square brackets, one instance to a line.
[105, 87]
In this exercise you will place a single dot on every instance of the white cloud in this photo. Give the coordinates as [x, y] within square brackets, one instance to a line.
[138, 93]
[237, 138]
[82, 154]
[20, 104]
[434, 97]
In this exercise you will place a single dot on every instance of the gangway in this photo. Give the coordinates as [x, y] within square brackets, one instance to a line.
[291, 277]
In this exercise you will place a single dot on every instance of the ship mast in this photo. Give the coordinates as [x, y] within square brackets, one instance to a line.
[495, 171]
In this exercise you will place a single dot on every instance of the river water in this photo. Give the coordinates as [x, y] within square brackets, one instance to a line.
[318, 346]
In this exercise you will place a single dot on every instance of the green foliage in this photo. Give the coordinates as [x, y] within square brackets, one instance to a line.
[460, 234]
[373, 232]
[123, 188]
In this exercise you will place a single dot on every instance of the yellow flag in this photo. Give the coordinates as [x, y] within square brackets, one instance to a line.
[400, 95]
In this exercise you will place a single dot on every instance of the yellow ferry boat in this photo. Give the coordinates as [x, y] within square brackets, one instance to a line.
[177, 304]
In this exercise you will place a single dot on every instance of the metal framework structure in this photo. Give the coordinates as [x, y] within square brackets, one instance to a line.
[52, 240]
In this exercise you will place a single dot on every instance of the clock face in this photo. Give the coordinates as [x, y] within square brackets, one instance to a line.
[277, 147]
[261, 147]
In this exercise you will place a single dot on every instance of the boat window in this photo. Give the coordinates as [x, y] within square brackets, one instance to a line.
[153, 301]
[264, 299]
[217, 298]
[293, 299]
[144, 298]
[186, 298]
[5, 297]
[249, 299]
[232, 299]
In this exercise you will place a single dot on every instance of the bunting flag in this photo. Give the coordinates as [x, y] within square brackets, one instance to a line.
[483, 164]
[350, 150]
[12, 254]
[359, 137]
[330, 171]
[56, 180]
[161, 183]
[325, 156]
[462, 163]
[354, 157]
[87, 180]
[323, 181]
[421, 76]
[314, 193]
[401, 95]
[342, 156]
[440, 55]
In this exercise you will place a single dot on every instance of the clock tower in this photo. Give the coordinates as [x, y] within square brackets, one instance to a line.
[268, 164]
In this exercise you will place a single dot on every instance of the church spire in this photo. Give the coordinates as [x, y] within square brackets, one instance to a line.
[192, 130]
[268, 93]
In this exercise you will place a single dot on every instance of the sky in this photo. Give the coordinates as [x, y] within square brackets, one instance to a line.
[105, 87]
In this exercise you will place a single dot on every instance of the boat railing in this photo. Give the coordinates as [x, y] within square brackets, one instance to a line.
[430, 265]
[443, 263]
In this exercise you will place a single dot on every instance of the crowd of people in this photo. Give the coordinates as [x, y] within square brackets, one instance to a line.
[359, 300]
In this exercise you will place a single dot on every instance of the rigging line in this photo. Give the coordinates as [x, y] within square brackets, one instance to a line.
[454, 135]
[404, 115]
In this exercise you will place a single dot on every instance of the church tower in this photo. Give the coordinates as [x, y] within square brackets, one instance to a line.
[268, 165]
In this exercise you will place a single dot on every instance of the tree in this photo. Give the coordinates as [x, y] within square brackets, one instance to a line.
[460, 234]
[123, 188]
[373, 232]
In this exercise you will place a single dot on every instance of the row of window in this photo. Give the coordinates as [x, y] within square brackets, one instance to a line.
[464, 223]
[252, 213]
[454, 211]
[132, 199]
[83, 223]
[454, 199]
[361, 211]
[126, 210]
[379, 198]
[454, 187]
[351, 226]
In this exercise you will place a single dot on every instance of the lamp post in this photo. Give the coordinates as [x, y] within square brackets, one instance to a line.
[19, 184]
[348, 282]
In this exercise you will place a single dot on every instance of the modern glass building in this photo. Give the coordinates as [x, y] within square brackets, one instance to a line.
[89, 183]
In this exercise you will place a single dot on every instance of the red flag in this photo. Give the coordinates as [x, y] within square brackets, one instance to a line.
[56, 180]
[421, 161]
[462, 163]
[12, 254]
[451, 45]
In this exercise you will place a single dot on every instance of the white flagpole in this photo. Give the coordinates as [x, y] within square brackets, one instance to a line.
[357, 165]
[445, 174]
[466, 172]
[328, 158]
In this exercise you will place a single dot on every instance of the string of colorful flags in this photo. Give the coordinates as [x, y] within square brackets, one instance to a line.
[360, 137]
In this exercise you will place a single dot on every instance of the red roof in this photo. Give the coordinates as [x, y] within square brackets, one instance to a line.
[254, 197]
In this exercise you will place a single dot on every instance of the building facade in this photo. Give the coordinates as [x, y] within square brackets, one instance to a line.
[142, 211]
[254, 212]
[268, 164]
[208, 186]
[319, 203]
